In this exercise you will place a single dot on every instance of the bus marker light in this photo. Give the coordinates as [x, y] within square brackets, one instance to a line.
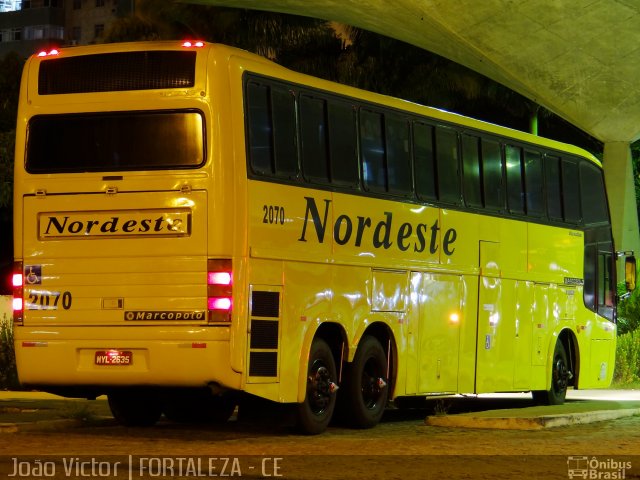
[219, 278]
[17, 304]
[52, 52]
[219, 303]
[17, 281]
[196, 44]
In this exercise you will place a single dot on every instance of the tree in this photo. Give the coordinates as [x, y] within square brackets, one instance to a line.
[10, 73]
[302, 43]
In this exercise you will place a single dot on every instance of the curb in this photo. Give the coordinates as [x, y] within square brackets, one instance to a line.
[532, 423]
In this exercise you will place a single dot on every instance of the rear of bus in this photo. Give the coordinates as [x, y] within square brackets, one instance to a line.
[123, 230]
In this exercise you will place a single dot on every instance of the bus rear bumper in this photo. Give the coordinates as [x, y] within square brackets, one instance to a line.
[75, 357]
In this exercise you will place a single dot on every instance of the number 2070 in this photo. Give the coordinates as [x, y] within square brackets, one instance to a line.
[273, 214]
[48, 300]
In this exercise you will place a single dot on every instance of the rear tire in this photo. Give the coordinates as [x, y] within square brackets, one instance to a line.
[365, 393]
[135, 408]
[560, 375]
[314, 414]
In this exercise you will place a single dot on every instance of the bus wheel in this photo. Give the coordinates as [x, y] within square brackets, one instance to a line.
[366, 385]
[560, 376]
[135, 408]
[314, 414]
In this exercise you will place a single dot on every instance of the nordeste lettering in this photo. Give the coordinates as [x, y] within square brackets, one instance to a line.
[383, 233]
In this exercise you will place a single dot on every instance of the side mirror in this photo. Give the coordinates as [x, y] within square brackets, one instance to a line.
[630, 273]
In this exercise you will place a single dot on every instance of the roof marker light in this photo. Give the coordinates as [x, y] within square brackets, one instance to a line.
[196, 44]
[53, 51]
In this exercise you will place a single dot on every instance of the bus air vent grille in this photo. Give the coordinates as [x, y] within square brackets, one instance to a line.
[110, 72]
[263, 364]
[264, 333]
[265, 304]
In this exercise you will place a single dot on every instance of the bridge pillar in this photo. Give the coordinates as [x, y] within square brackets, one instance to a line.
[618, 177]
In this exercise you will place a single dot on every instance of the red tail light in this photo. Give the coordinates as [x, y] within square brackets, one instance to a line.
[219, 290]
[17, 281]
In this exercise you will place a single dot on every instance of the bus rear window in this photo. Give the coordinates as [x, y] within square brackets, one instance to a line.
[99, 142]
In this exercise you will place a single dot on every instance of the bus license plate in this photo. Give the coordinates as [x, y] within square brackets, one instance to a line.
[114, 357]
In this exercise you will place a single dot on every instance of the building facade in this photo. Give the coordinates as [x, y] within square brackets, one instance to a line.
[28, 26]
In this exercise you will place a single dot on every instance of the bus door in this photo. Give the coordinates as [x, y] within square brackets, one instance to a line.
[496, 323]
[439, 317]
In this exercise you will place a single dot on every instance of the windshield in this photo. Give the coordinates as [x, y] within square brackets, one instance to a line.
[99, 142]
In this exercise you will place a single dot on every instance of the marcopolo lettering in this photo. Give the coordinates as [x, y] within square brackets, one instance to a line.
[383, 233]
[132, 315]
[139, 223]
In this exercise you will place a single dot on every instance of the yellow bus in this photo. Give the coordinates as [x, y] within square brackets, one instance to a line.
[193, 222]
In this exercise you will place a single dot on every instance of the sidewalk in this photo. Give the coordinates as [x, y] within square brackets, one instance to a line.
[39, 410]
[582, 406]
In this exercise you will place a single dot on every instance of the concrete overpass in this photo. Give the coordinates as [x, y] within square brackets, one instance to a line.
[577, 58]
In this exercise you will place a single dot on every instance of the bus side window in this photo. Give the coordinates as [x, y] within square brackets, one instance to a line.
[471, 179]
[313, 134]
[447, 165]
[571, 192]
[260, 129]
[589, 288]
[372, 151]
[284, 132]
[343, 153]
[492, 175]
[606, 288]
[515, 190]
[398, 155]
[534, 185]
[423, 161]
[552, 185]
[593, 196]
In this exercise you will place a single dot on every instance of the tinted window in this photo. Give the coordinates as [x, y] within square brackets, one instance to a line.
[594, 198]
[492, 175]
[447, 165]
[398, 154]
[589, 289]
[284, 132]
[372, 151]
[606, 287]
[342, 143]
[513, 168]
[571, 191]
[260, 128]
[313, 134]
[552, 184]
[471, 179]
[423, 160]
[534, 185]
[99, 142]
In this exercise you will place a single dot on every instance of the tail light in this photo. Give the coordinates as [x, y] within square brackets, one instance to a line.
[219, 290]
[17, 281]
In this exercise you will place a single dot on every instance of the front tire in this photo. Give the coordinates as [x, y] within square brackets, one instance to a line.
[314, 414]
[560, 376]
[366, 390]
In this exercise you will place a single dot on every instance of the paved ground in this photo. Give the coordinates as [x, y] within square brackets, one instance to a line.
[403, 446]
